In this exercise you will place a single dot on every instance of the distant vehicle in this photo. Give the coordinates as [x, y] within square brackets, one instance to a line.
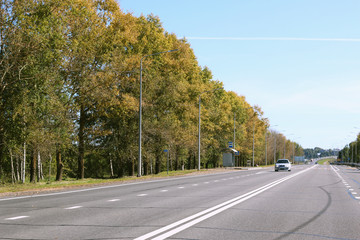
[282, 164]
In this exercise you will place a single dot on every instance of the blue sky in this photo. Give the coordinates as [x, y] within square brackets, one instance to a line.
[299, 60]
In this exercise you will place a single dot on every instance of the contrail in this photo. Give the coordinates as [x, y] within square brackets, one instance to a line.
[275, 39]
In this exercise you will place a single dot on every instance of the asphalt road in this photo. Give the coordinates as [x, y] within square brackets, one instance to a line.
[310, 202]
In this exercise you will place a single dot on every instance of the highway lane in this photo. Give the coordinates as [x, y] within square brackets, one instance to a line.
[311, 202]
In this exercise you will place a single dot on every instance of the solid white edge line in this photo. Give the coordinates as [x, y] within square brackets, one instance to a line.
[197, 215]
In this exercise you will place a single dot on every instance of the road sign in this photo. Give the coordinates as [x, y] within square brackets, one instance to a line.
[166, 150]
[230, 144]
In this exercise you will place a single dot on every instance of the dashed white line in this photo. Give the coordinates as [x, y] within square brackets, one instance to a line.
[180, 187]
[142, 195]
[16, 218]
[353, 193]
[206, 182]
[113, 200]
[74, 207]
[195, 185]
[164, 190]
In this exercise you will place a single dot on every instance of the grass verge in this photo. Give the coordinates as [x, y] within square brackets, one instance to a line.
[325, 161]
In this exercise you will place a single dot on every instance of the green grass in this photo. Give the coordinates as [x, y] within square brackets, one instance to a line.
[325, 161]
[72, 183]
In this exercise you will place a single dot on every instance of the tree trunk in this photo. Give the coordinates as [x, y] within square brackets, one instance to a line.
[120, 172]
[50, 160]
[176, 165]
[132, 166]
[17, 168]
[151, 166]
[1, 143]
[59, 164]
[33, 166]
[111, 168]
[38, 166]
[12, 167]
[189, 162]
[146, 168]
[81, 143]
[157, 164]
[23, 165]
[41, 171]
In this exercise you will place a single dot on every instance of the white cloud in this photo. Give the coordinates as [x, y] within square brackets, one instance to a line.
[275, 39]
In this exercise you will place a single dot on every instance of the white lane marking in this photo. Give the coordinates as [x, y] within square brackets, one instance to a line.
[16, 218]
[224, 179]
[206, 182]
[351, 189]
[216, 180]
[74, 207]
[164, 190]
[185, 223]
[114, 200]
[347, 185]
[142, 195]
[357, 197]
[195, 185]
[260, 173]
[180, 187]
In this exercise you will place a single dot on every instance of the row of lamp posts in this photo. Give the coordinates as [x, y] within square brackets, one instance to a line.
[199, 135]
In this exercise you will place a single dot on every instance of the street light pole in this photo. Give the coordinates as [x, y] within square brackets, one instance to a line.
[253, 150]
[199, 155]
[284, 147]
[265, 147]
[234, 130]
[275, 148]
[140, 106]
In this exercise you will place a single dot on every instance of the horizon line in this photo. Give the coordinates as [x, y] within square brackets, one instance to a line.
[275, 39]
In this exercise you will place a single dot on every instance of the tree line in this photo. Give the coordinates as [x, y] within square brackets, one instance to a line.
[319, 152]
[69, 96]
[350, 153]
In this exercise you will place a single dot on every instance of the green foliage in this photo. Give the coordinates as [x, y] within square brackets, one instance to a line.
[316, 152]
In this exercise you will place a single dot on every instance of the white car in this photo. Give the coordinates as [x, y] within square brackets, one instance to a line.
[282, 164]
